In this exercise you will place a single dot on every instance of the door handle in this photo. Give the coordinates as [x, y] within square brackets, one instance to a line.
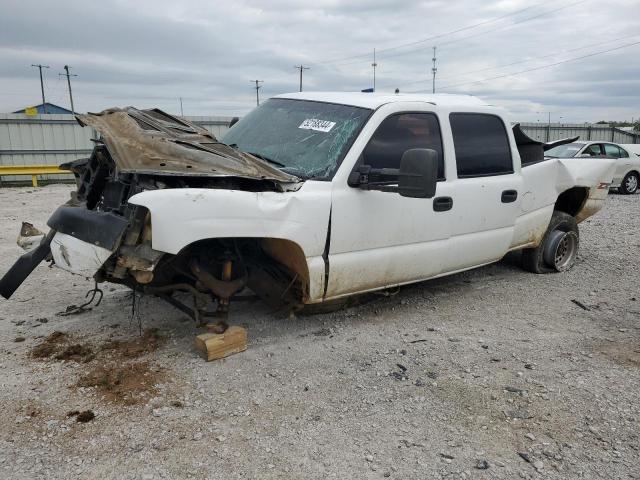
[509, 196]
[442, 204]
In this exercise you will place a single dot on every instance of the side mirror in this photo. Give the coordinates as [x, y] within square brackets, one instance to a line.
[233, 121]
[418, 173]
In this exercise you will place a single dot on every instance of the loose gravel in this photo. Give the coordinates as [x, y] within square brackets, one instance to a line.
[490, 374]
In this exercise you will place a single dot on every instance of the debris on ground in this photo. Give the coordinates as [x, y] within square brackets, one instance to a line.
[580, 304]
[82, 417]
[213, 346]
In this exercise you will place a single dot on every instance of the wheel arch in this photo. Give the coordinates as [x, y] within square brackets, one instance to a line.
[572, 201]
[284, 252]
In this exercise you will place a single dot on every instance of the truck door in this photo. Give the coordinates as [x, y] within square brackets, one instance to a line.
[381, 239]
[487, 190]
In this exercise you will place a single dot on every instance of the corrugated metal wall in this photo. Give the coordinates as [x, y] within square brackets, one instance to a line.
[546, 133]
[56, 139]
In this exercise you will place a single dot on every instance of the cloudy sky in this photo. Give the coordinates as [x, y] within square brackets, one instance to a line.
[152, 52]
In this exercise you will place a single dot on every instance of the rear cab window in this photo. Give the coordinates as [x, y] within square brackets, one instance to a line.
[481, 145]
[400, 132]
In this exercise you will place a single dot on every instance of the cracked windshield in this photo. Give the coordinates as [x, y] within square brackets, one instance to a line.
[303, 138]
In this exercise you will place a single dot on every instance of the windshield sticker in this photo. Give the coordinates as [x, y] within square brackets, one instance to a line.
[317, 125]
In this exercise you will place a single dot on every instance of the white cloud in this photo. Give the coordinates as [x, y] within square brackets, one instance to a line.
[149, 53]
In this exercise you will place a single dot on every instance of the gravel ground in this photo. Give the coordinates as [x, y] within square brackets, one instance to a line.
[493, 373]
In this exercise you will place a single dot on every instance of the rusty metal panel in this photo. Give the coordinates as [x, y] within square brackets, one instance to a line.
[56, 139]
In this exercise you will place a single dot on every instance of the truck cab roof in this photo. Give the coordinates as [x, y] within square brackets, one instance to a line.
[376, 100]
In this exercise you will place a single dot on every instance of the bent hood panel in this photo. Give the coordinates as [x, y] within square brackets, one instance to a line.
[154, 142]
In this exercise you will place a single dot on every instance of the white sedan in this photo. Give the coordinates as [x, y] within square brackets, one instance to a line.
[627, 174]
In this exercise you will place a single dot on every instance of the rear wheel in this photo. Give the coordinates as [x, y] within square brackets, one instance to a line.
[559, 247]
[629, 184]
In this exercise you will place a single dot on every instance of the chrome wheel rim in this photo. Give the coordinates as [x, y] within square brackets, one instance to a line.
[561, 251]
[631, 184]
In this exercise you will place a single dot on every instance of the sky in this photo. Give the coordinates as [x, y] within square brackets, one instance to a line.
[577, 59]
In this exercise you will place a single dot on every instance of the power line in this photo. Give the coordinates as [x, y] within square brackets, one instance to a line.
[496, 67]
[69, 75]
[539, 67]
[486, 32]
[517, 22]
[433, 37]
[40, 67]
[301, 68]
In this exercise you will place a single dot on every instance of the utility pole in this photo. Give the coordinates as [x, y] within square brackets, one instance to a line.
[69, 75]
[181, 112]
[549, 129]
[433, 71]
[301, 68]
[374, 65]
[257, 87]
[40, 67]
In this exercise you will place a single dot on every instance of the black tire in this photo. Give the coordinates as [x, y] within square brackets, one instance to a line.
[562, 228]
[629, 184]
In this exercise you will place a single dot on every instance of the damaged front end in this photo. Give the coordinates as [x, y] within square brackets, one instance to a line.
[99, 234]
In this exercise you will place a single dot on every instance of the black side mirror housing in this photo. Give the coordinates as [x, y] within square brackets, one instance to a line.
[418, 175]
[233, 121]
[416, 178]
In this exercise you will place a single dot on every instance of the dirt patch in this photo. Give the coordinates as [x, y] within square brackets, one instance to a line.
[148, 342]
[127, 384]
[76, 352]
[57, 345]
[625, 353]
[49, 345]
[114, 376]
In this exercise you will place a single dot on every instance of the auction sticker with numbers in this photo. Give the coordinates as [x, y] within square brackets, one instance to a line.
[317, 125]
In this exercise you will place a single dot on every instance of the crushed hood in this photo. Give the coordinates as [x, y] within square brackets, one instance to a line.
[154, 142]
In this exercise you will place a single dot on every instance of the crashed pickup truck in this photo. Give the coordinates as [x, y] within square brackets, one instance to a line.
[313, 197]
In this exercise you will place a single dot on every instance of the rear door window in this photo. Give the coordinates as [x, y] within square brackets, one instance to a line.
[481, 144]
[611, 150]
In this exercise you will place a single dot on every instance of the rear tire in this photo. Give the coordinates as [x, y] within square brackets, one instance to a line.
[558, 249]
[629, 184]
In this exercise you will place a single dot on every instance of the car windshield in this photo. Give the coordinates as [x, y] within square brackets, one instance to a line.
[567, 150]
[303, 138]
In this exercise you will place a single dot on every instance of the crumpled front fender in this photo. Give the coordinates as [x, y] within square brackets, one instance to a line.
[182, 216]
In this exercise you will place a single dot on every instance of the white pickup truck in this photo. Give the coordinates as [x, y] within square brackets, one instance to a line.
[313, 197]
